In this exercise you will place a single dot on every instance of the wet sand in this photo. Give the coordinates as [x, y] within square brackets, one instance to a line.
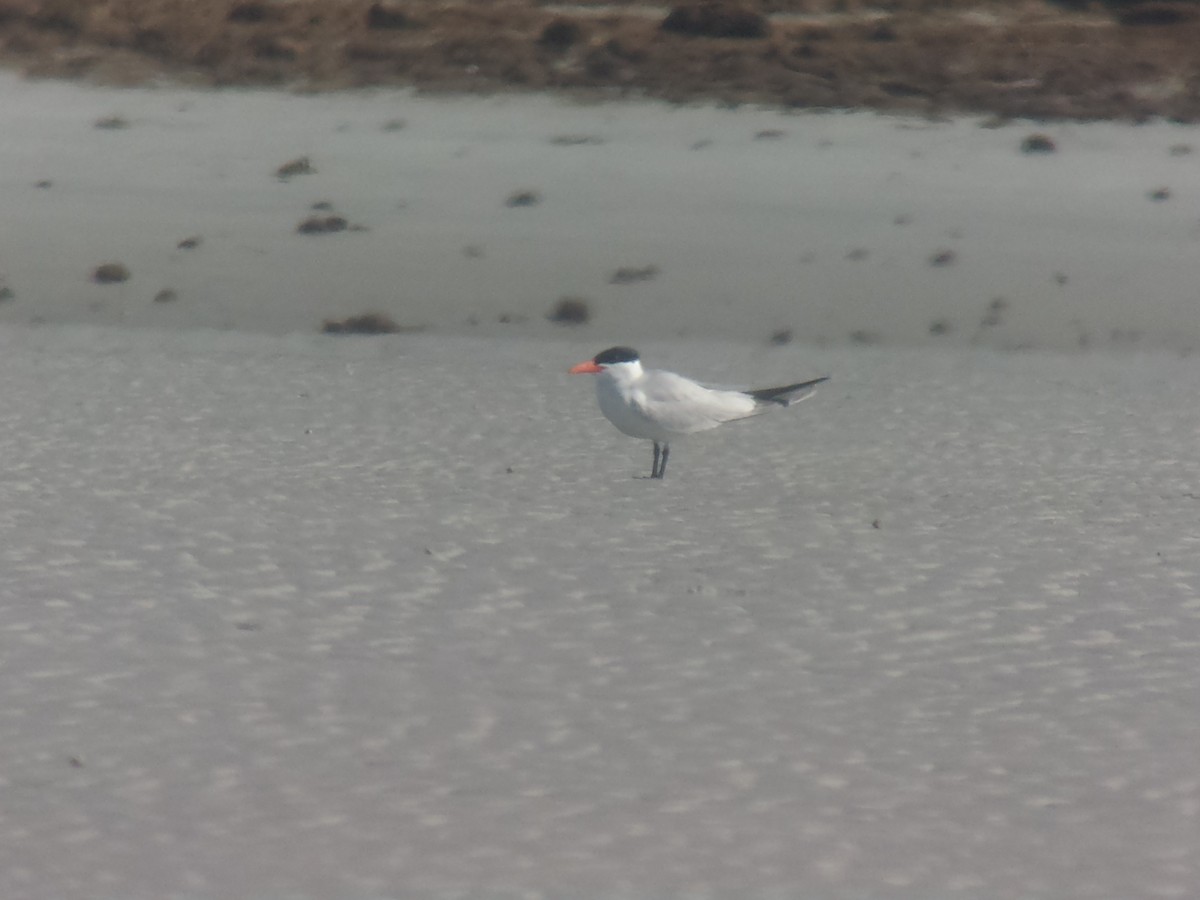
[480, 216]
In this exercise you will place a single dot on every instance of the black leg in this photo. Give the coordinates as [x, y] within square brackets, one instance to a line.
[662, 466]
[654, 468]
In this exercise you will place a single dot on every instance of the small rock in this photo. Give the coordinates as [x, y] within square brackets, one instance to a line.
[366, 323]
[299, 166]
[1038, 143]
[110, 273]
[632, 274]
[781, 337]
[112, 123]
[576, 140]
[570, 311]
[523, 198]
[322, 225]
[943, 258]
[166, 295]
[1159, 194]
[190, 243]
[44, 183]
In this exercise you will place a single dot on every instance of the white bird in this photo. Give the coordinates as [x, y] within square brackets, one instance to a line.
[658, 406]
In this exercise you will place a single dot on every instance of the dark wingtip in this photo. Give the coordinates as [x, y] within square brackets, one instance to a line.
[785, 395]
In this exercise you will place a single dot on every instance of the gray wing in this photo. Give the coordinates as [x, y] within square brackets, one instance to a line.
[683, 406]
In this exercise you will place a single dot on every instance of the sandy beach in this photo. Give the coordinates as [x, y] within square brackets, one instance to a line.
[312, 617]
[292, 614]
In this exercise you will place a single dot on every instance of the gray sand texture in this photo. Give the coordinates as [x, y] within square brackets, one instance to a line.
[323, 617]
[285, 615]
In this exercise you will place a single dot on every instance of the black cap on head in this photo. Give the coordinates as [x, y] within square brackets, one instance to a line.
[614, 355]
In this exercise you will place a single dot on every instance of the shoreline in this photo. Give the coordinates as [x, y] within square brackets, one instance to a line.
[464, 215]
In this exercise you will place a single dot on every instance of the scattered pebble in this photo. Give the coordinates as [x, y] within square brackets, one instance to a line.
[110, 273]
[940, 327]
[630, 274]
[576, 140]
[112, 123]
[366, 323]
[166, 295]
[702, 143]
[1159, 194]
[781, 337]
[44, 183]
[770, 134]
[943, 258]
[1060, 278]
[299, 166]
[570, 311]
[1038, 143]
[523, 198]
[190, 243]
[322, 206]
[322, 225]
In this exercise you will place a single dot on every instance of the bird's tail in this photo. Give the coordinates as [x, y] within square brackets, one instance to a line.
[788, 394]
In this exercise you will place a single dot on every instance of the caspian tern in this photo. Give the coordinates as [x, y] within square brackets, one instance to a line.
[657, 406]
